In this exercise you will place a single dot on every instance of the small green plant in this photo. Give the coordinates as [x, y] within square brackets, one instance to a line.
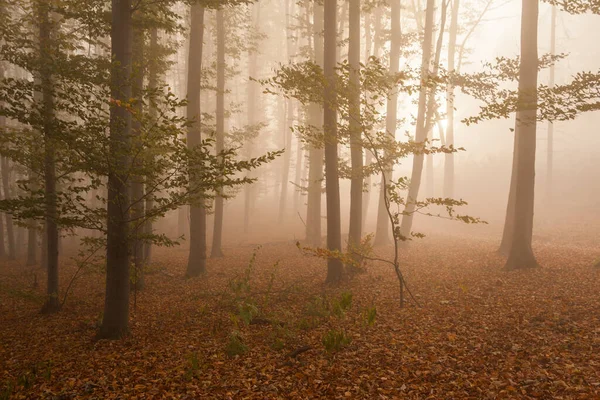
[342, 304]
[193, 366]
[247, 311]
[6, 391]
[335, 340]
[370, 314]
[318, 307]
[235, 345]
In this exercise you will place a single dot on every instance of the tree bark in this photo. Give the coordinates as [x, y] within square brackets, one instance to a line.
[421, 128]
[10, 232]
[152, 85]
[197, 256]
[252, 116]
[382, 231]
[52, 303]
[216, 250]
[137, 181]
[550, 144]
[520, 252]
[335, 267]
[316, 153]
[355, 127]
[449, 157]
[115, 323]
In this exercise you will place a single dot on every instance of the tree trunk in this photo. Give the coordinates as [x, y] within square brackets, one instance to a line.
[520, 252]
[216, 250]
[52, 303]
[115, 323]
[10, 234]
[382, 231]
[152, 85]
[335, 267]
[137, 181]
[315, 154]
[449, 157]
[251, 114]
[31, 244]
[550, 144]
[197, 256]
[421, 128]
[355, 127]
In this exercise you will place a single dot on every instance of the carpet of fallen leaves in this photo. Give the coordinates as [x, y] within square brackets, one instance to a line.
[479, 333]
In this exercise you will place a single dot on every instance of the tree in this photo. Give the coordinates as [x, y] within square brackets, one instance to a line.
[315, 152]
[520, 253]
[382, 231]
[335, 267]
[421, 128]
[46, 53]
[449, 158]
[115, 322]
[216, 250]
[355, 127]
[197, 256]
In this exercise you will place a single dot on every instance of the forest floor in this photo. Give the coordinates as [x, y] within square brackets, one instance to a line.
[479, 333]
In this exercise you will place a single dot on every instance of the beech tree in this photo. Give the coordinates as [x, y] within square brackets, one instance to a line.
[335, 267]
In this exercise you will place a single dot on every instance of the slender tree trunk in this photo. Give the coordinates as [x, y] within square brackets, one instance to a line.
[197, 256]
[335, 267]
[31, 244]
[52, 304]
[520, 252]
[216, 250]
[137, 181]
[382, 231]
[449, 157]
[152, 85]
[289, 116]
[432, 106]
[252, 115]
[421, 128]
[10, 234]
[355, 127]
[550, 144]
[115, 323]
[315, 173]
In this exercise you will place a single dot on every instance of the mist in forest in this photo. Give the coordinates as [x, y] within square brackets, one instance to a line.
[299, 199]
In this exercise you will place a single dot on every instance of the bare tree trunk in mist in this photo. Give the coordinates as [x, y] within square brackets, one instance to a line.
[432, 106]
[382, 231]
[152, 85]
[315, 153]
[51, 305]
[343, 15]
[355, 128]
[298, 171]
[252, 117]
[10, 234]
[289, 117]
[137, 182]
[31, 244]
[217, 238]
[197, 256]
[369, 158]
[335, 267]
[520, 253]
[449, 157]
[115, 323]
[550, 144]
[421, 128]
[2, 215]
